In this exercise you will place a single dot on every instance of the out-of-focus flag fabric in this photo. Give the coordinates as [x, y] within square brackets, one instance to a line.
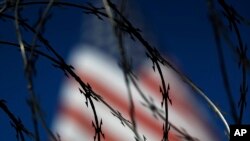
[74, 119]
[96, 63]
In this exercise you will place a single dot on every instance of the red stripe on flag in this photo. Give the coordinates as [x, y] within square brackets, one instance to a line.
[179, 103]
[84, 121]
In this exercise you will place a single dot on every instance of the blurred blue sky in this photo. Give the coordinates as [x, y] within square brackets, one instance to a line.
[179, 29]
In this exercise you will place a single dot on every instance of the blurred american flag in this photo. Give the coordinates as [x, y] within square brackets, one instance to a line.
[94, 61]
[74, 119]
